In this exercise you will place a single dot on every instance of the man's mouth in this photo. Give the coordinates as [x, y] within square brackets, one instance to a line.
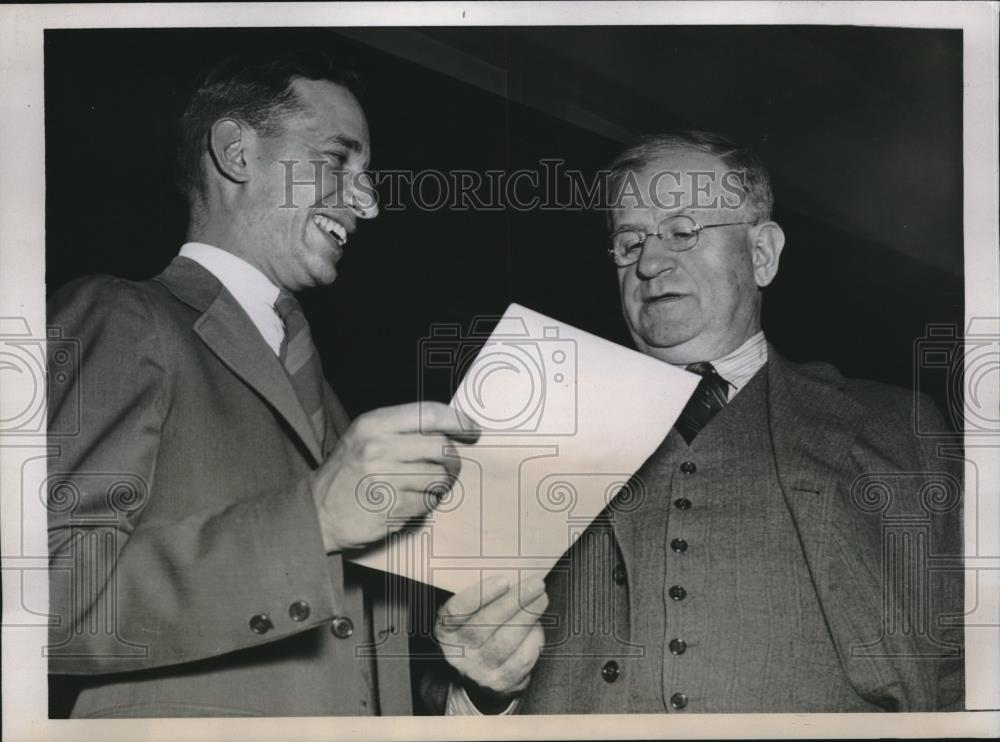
[333, 228]
[667, 296]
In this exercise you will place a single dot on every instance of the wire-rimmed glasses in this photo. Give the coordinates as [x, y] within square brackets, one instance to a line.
[678, 234]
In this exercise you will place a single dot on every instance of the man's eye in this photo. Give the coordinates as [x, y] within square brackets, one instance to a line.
[339, 159]
[627, 242]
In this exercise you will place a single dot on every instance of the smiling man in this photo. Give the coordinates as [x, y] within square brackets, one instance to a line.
[198, 521]
[748, 568]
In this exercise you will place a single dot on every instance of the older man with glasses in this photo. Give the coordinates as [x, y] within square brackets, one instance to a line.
[750, 570]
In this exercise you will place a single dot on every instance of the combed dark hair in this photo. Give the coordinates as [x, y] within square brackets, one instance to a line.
[646, 149]
[252, 87]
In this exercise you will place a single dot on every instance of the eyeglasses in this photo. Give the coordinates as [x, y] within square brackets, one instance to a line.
[678, 233]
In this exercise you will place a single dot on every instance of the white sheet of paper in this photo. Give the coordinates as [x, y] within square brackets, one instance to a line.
[567, 418]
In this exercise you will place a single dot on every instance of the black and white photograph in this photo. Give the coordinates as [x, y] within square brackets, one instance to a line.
[509, 371]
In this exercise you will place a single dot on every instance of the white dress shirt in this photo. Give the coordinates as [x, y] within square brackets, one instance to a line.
[739, 366]
[252, 290]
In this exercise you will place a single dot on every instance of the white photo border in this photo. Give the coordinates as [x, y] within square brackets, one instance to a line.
[22, 294]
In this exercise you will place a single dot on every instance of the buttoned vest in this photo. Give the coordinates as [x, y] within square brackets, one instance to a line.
[691, 593]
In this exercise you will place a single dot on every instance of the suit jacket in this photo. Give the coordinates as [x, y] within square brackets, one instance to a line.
[856, 483]
[188, 572]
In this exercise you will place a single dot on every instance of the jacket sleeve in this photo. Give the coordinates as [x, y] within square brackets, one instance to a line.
[902, 640]
[131, 592]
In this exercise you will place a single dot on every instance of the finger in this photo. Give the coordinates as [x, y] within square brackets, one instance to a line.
[461, 606]
[412, 505]
[507, 639]
[404, 477]
[433, 484]
[410, 489]
[419, 500]
[433, 449]
[516, 670]
[486, 621]
[440, 418]
[419, 417]
[394, 419]
[469, 428]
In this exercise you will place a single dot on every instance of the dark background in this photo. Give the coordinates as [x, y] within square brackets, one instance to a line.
[860, 126]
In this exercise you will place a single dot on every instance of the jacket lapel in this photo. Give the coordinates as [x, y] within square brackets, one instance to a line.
[226, 329]
[812, 424]
[337, 419]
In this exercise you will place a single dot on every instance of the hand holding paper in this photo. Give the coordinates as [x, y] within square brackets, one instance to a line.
[415, 442]
[490, 633]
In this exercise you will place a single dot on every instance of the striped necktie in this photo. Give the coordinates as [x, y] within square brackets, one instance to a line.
[299, 357]
[709, 397]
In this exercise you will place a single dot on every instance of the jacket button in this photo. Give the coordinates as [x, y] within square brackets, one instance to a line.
[341, 627]
[679, 545]
[299, 610]
[618, 575]
[679, 700]
[678, 646]
[682, 503]
[677, 592]
[611, 671]
[261, 624]
[689, 467]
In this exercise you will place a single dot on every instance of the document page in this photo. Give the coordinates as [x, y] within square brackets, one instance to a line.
[566, 418]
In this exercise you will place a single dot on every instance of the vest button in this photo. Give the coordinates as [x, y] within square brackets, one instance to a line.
[678, 646]
[261, 624]
[689, 467]
[341, 627]
[682, 503]
[610, 671]
[679, 700]
[618, 575]
[677, 592]
[679, 545]
[299, 610]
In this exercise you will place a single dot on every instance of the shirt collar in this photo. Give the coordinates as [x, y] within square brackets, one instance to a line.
[244, 281]
[252, 290]
[739, 366]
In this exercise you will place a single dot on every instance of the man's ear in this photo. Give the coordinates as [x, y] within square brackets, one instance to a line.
[227, 143]
[768, 239]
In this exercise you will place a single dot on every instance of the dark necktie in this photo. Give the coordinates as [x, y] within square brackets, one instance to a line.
[299, 357]
[709, 397]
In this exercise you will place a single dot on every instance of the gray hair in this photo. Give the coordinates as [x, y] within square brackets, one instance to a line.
[754, 177]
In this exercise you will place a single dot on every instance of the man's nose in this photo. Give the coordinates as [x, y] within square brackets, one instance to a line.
[655, 258]
[363, 199]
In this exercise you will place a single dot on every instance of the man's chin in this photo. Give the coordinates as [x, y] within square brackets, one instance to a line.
[323, 268]
[670, 346]
[328, 276]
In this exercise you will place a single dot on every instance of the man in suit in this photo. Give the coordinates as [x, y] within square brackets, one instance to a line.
[773, 554]
[198, 522]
